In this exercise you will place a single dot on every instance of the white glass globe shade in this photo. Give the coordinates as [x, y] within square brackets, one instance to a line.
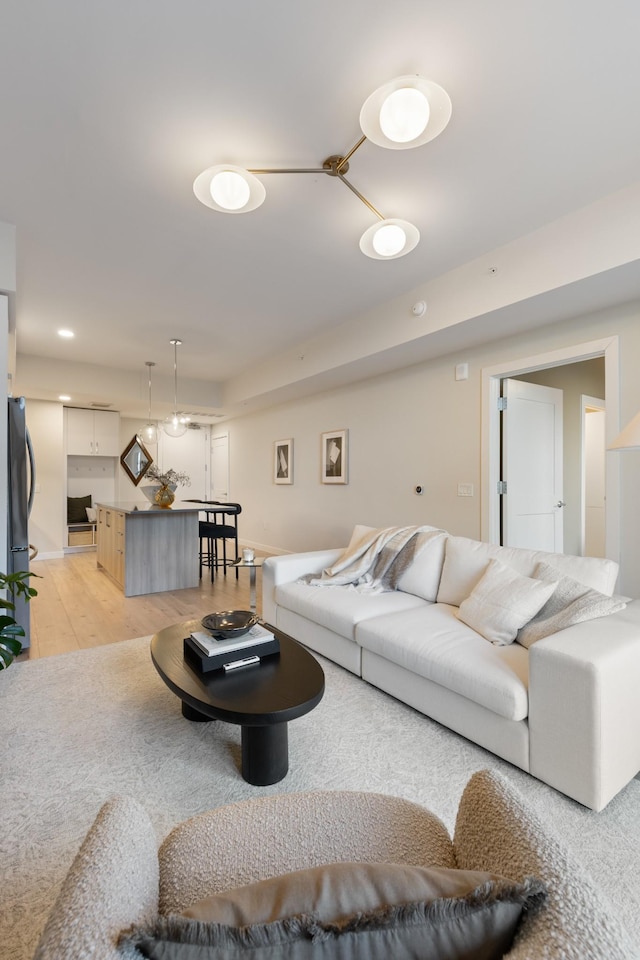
[230, 190]
[174, 427]
[149, 433]
[389, 240]
[404, 115]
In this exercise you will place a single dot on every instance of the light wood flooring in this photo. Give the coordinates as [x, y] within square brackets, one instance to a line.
[79, 606]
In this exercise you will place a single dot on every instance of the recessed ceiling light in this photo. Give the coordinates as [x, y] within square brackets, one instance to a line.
[63, 397]
[67, 334]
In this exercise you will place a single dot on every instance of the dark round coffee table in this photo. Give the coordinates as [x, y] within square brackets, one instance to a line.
[261, 699]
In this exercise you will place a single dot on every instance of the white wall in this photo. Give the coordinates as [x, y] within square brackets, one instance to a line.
[48, 517]
[417, 425]
[189, 454]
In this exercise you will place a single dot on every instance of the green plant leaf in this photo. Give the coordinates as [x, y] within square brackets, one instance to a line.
[9, 650]
[9, 628]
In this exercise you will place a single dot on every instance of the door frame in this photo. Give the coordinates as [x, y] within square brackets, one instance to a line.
[219, 436]
[598, 403]
[490, 430]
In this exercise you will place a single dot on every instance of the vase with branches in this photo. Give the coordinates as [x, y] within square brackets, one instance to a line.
[168, 477]
[168, 480]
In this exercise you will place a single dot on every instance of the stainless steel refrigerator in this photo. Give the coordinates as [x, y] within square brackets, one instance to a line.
[21, 487]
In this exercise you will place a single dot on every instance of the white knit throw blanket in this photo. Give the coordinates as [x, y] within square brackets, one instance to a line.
[376, 562]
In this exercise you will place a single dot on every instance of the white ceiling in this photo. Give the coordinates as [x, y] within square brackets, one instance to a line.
[109, 111]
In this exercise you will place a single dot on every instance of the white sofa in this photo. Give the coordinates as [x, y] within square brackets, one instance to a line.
[567, 709]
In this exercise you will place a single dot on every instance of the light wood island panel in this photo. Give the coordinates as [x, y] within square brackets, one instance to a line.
[146, 549]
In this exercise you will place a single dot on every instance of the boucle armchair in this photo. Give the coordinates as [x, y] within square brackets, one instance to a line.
[120, 878]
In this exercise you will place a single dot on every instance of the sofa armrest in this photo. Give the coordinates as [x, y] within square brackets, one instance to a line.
[584, 708]
[286, 569]
[112, 883]
[497, 832]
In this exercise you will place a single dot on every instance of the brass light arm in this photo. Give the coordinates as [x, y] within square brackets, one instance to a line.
[293, 170]
[360, 197]
[335, 166]
[348, 156]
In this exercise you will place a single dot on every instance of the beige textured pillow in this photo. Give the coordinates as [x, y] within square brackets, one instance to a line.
[571, 602]
[502, 602]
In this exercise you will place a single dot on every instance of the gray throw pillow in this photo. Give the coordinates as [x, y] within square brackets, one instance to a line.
[571, 602]
[349, 911]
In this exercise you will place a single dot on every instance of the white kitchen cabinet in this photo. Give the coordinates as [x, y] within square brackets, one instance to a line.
[93, 433]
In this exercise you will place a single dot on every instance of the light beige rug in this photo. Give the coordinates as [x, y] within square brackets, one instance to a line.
[81, 727]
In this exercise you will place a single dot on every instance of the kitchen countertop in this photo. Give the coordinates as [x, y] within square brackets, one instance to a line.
[146, 509]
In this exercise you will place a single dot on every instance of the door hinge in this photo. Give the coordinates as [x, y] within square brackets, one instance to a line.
[502, 403]
[502, 487]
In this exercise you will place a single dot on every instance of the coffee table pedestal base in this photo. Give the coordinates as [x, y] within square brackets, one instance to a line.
[265, 749]
[265, 754]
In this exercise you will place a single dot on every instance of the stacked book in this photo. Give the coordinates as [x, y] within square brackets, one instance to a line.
[208, 652]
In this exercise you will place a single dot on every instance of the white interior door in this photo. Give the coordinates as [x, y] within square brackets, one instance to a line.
[220, 468]
[532, 466]
[188, 454]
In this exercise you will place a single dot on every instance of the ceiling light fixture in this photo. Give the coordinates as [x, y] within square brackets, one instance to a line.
[66, 334]
[406, 112]
[175, 426]
[150, 429]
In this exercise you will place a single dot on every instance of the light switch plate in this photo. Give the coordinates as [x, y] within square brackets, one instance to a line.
[465, 489]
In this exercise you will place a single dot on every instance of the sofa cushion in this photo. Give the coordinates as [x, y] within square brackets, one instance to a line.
[343, 911]
[431, 642]
[503, 601]
[340, 608]
[466, 560]
[571, 602]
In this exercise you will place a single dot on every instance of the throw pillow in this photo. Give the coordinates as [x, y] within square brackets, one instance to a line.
[422, 577]
[359, 532]
[502, 602]
[571, 602]
[92, 515]
[349, 910]
[77, 509]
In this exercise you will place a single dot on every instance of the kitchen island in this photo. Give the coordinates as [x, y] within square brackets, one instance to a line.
[145, 549]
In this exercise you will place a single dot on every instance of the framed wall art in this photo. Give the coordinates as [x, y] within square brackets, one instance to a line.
[334, 456]
[283, 461]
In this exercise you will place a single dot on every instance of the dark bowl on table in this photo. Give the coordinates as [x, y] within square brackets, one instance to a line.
[229, 623]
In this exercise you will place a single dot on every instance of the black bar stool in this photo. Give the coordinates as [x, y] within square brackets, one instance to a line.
[215, 533]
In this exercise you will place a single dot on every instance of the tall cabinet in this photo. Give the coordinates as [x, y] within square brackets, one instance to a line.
[93, 451]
